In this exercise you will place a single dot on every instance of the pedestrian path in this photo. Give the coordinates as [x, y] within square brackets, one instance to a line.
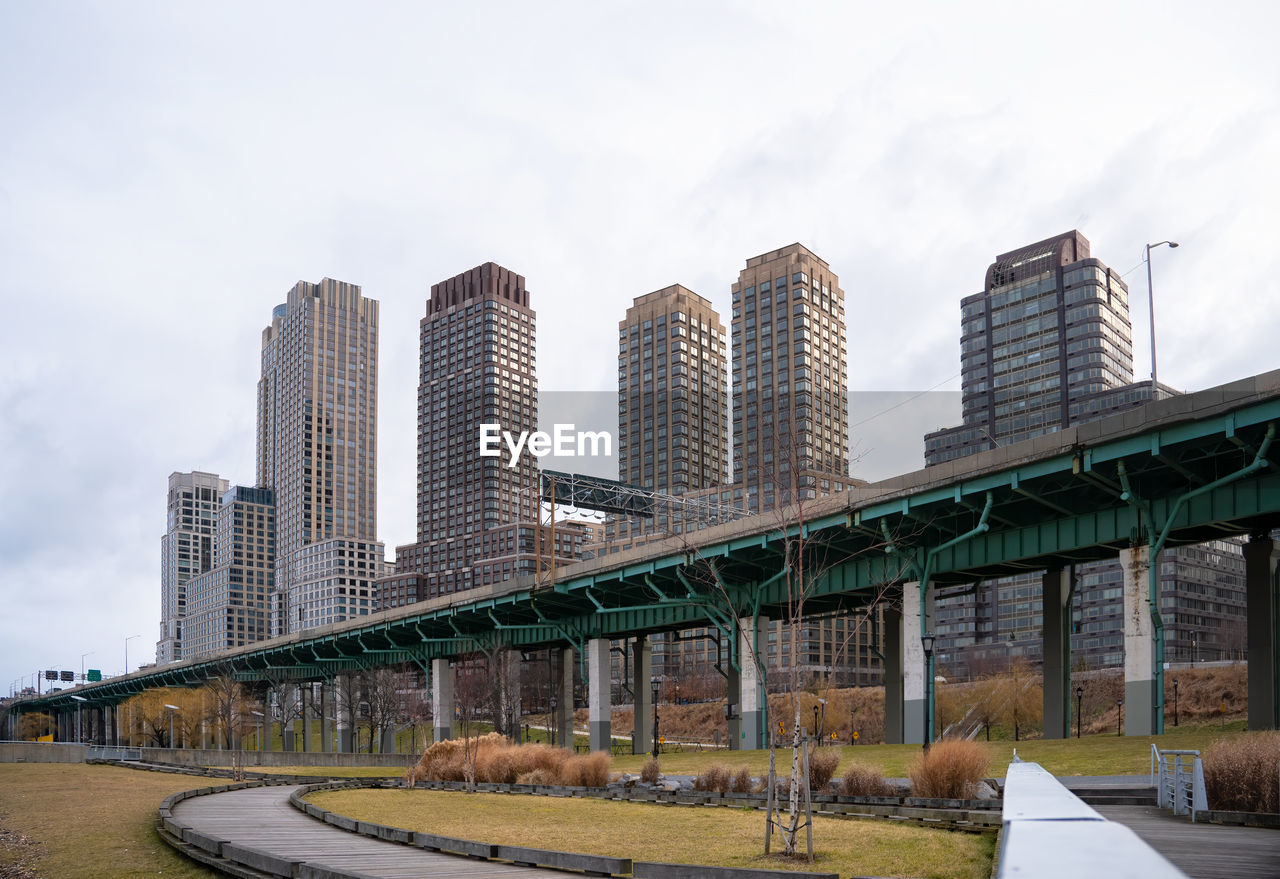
[261, 818]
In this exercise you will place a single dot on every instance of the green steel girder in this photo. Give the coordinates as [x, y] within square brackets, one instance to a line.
[1062, 505]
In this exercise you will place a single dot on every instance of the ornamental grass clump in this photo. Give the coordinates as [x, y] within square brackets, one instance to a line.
[951, 769]
[714, 778]
[822, 766]
[1240, 774]
[649, 772]
[497, 761]
[864, 781]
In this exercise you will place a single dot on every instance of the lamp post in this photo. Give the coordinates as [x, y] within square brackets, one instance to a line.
[1119, 708]
[259, 715]
[1151, 308]
[82, 656]
[1175, 701]
[79, 701]
[927, 640]
[655, 682]
[172, 708]
[551, 722]
[126, 651]
[1079, 708]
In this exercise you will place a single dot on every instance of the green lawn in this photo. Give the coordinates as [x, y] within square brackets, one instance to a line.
[1090, 755]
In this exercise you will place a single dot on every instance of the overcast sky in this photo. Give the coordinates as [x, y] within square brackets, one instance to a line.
[169, 170]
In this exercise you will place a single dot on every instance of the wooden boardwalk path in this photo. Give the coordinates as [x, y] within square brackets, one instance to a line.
[1203, 851]
[261, 818]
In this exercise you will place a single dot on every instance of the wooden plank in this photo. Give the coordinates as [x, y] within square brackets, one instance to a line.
[1203, 851]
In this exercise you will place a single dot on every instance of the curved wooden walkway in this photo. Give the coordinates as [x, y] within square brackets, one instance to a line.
[261, 818]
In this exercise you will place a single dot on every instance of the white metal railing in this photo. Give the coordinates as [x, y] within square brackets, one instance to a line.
[1179, 780]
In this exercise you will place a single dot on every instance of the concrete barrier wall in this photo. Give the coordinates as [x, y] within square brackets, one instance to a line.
[252, 759]
[42, 752]
[58, 752]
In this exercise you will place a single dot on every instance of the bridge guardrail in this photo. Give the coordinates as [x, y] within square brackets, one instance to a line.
[1180, 782]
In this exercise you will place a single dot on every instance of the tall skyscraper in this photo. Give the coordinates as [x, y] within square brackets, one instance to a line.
[477, 516]
[673, 403]
[1046, 345]
[186, 550]
[228, 603]
[318, 452]
[790, 401]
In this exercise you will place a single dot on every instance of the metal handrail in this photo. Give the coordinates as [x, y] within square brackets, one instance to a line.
[1180, 783]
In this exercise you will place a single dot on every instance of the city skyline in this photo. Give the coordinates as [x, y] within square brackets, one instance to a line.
[152, 221]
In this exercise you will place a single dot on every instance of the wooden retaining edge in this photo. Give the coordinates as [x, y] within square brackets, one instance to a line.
[1239, 819]
[655, 870]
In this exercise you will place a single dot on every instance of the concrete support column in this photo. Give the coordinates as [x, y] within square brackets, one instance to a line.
[343, 713]
[442, 707]
[564, 700]
[1056, 613]
[642, 656]
[1262, 603]
[733, 698]
[289, 726]
[599, 690]
[1139, 645]
[915, 676]
[306, 706]
[326, 717]
[510, 660]
[892, 650]
[753, 653]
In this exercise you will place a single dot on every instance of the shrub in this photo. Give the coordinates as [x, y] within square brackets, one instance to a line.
[538, 776]
[951, 769]
[742, 782]
[586, 770]
[649, 772]
[1240, 773]
[822, 765]
[713, 778]
[863, 781]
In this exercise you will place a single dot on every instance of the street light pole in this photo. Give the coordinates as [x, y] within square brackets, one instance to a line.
[1079, 708]
[1151, 308]
[80, 700]
[927, 641]
[82, 656]
[1119, 709]
[126, 651]
[1175, 701]
[655, 682]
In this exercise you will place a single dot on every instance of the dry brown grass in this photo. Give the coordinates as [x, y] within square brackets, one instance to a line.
[1240, 774]
[864, 781]
[724, 837]
[950, 769]
[822, 766]
[650, 771]
[715, 778]
[497, 761]
[86, 822]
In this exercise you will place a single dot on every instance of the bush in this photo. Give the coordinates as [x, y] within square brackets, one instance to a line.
[649, 772]
[586, 770]
[538, 776]
[863, 781]
[742, 782]
[822, 765]
[499, 762]
[951, 769]
[714, 778]
[1240, 773]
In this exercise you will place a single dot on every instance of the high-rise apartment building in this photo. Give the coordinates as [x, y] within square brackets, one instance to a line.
[1045, 345]
[186, 551]
[318, 451]
[477, 516]
[790, 401]
[228, 604]
[673, 402]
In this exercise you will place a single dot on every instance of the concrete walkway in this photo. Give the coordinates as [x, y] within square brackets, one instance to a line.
[261, 818]
[1203, 851]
